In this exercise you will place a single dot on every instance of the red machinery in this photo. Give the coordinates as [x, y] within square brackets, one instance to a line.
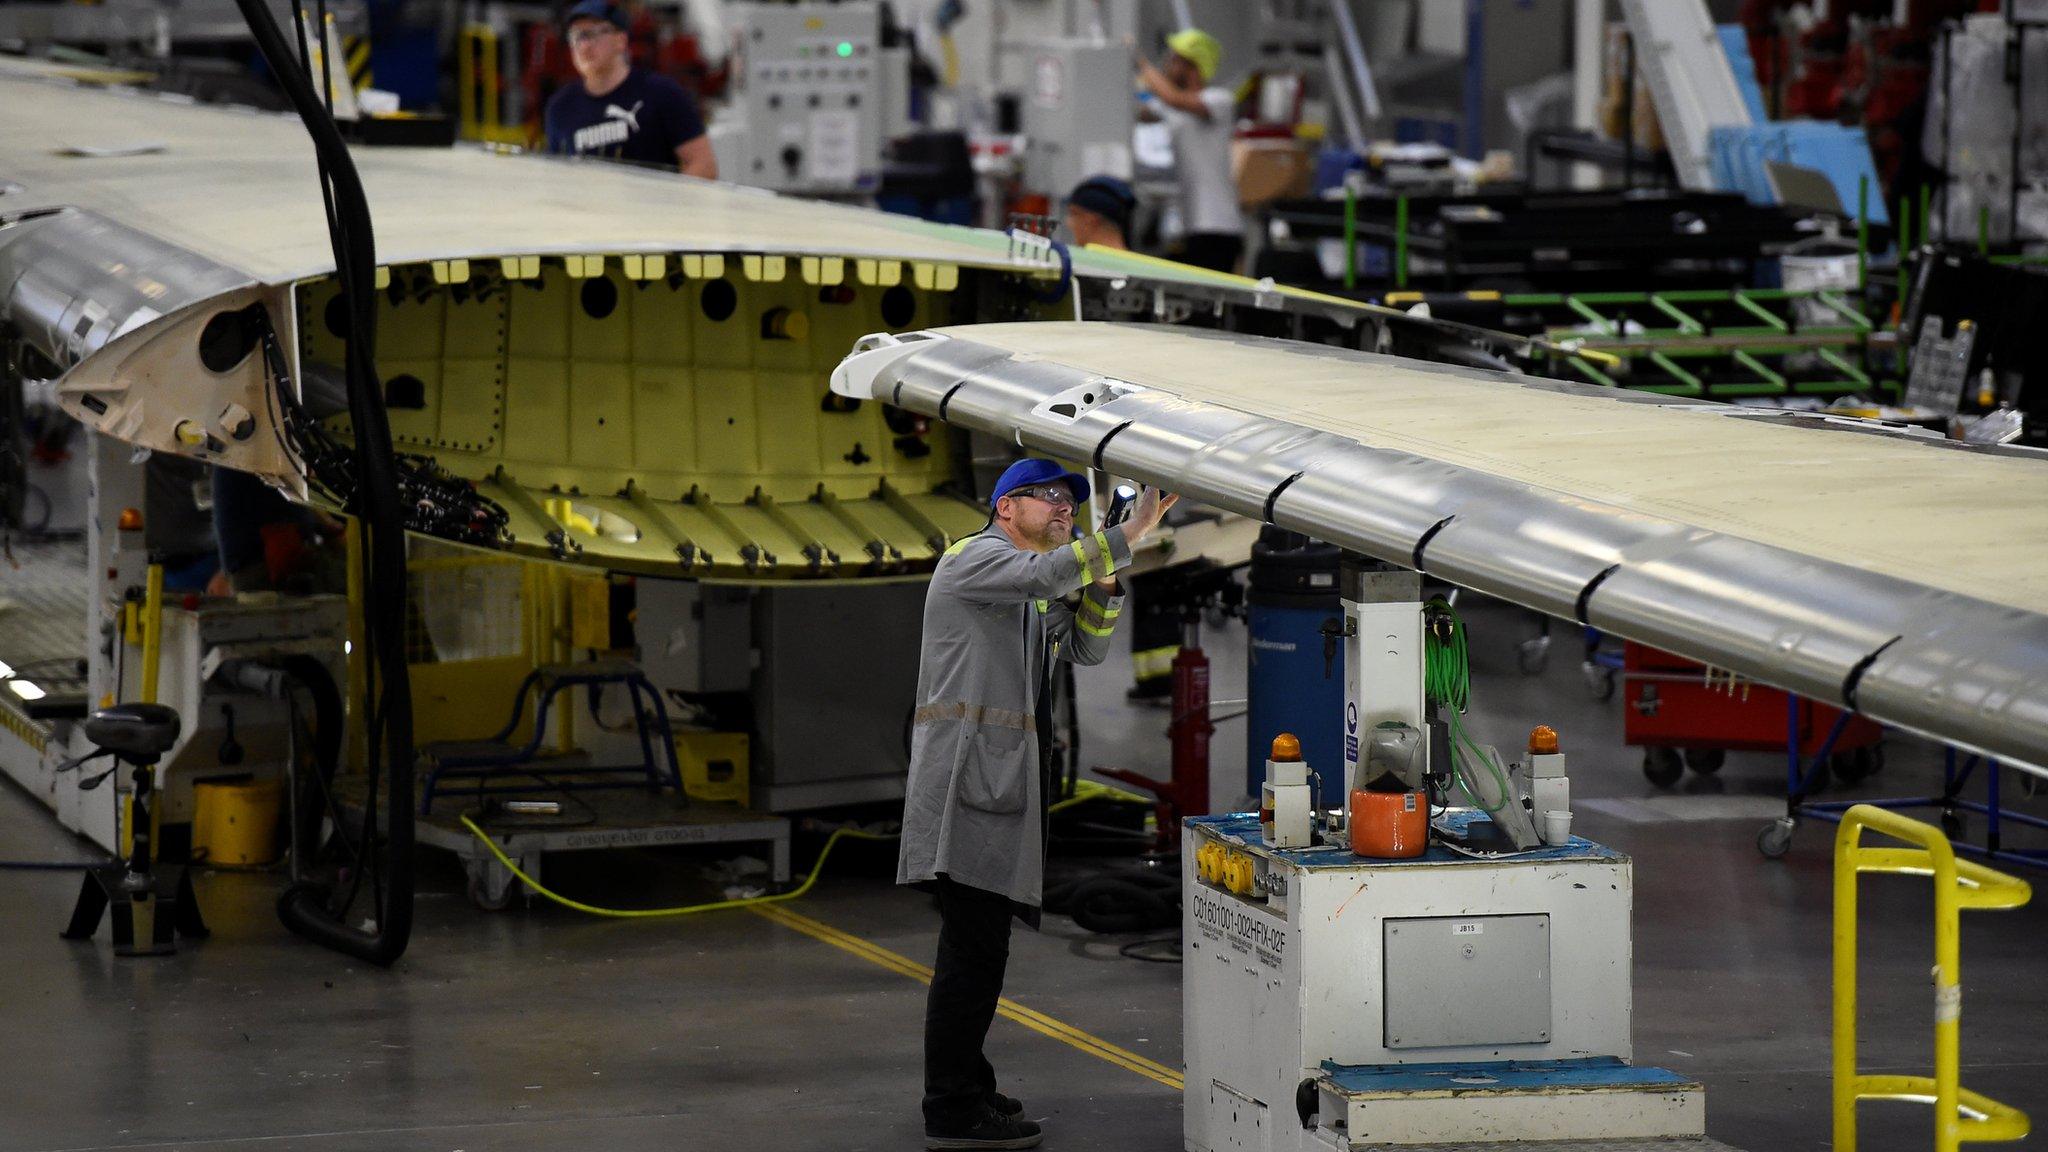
[1684, 716]
[1185, 791]
[1856, 65]
[1195, 587]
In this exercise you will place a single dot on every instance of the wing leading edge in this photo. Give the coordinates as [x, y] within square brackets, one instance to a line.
[1865, 570]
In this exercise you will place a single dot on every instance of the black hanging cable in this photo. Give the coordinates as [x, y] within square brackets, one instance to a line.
[362, 860]
[310, 909]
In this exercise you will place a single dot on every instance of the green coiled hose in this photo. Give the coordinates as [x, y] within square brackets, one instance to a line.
[1447, 683]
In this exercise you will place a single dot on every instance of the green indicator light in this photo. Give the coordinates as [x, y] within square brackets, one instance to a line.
[845, 48]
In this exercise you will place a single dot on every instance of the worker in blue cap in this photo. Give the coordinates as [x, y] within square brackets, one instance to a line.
[617, 111]
[996, 618]
[1099, 213]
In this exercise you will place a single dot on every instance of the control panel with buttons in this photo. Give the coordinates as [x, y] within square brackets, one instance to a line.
[814, 97]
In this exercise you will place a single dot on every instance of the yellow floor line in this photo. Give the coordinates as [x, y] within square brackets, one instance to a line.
[1030, 1018]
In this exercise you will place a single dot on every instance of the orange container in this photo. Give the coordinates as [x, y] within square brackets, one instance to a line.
[1389, 825]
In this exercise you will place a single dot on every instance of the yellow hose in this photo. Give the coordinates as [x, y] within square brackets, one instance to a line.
[686, 910]
[1086, 790]
[1099, 792]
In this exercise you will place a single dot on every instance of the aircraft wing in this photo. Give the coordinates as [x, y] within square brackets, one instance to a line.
[583, 361]
[1902, 575]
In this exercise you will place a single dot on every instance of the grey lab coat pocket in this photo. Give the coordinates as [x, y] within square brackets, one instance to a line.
[992, 770]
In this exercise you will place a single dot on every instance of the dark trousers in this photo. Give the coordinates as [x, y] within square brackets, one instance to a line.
[1216, 251]
[967, 980]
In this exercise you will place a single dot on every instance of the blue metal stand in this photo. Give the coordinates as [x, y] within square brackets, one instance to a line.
[1801, 780]
[485, 761]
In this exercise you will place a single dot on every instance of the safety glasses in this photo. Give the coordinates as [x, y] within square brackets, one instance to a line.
[1053, 494]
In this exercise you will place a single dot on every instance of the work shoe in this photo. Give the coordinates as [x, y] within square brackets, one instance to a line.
[990, 1129]
[1154, 693]
[1005, 1105]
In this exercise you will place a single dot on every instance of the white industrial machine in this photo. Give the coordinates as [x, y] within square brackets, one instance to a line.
[1340, 1001]
[818, 88]
[192, 661]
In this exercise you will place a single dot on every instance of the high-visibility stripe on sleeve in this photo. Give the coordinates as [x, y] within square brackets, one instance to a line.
[1096, 618]
[1081, 555]
[1096, 561]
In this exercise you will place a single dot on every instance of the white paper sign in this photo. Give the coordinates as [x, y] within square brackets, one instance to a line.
[835, 147]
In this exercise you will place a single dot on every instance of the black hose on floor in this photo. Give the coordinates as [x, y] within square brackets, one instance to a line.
[1127, 900]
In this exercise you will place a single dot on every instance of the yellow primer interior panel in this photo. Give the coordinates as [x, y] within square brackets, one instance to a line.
[664, 412]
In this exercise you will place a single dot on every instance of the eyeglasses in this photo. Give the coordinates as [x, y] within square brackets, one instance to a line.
[1052, 494]
[586, 35]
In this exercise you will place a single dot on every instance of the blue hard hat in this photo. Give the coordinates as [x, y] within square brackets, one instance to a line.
[1036, 471]
[597, 10]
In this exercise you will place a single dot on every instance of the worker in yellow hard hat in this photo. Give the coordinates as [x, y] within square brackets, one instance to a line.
[1201, 115]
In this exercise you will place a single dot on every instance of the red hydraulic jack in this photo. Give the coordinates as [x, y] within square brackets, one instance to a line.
[1186, 790]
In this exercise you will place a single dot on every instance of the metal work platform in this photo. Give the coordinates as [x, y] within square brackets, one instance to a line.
[588, 821]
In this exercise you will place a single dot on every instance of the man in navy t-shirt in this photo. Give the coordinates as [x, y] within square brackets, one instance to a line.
[620, 112]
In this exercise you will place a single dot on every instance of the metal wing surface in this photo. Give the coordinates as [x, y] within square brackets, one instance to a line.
[1903, 575]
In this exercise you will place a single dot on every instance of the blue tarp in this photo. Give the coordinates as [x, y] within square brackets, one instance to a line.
[1735, 44]
[1738, 155]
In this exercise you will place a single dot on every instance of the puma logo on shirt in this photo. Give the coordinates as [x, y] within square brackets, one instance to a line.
[618, 124]
[644, 120]
[631, 117]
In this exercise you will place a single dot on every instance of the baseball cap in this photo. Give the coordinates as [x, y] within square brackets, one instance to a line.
[1107, 197]
[597, 10]
[1034, 470]
[1200, 48]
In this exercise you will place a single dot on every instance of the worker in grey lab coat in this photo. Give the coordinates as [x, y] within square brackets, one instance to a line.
[974, 807]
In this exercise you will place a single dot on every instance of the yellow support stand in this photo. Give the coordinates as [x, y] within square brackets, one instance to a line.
[1960, 1115]
[152, 630]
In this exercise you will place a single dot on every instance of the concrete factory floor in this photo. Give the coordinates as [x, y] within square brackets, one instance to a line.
[545, 1029]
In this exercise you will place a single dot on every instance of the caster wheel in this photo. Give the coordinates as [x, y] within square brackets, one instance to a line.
[1533, 656]
[1953, 825]
[1662, 766]
[481, 895]
[1599, 682]
[1705, 761]
[1776, 838]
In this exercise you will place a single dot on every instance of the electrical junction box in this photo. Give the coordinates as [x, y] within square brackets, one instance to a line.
[1440, 999]
[815, 96]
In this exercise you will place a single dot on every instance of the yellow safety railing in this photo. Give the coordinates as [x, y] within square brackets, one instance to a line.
[1959, 1114]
